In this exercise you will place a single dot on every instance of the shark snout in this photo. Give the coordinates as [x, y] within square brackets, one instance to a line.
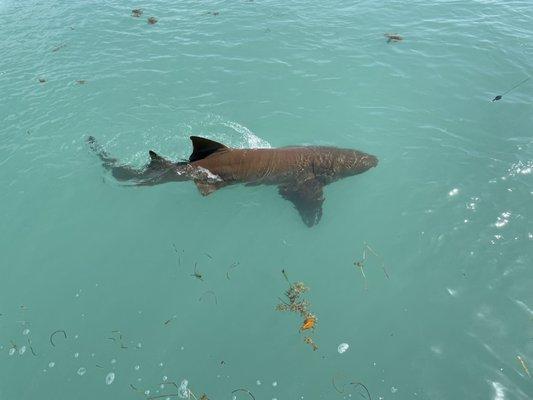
[370, 160]
[365, 162]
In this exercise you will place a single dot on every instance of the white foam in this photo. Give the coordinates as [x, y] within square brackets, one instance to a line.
[453, 192]
[503, 219]
[521, 168]
[252, 141]
[205, 173]
[183, 392]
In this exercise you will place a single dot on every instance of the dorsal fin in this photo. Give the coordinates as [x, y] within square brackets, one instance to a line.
[202, 147]
[155, 157]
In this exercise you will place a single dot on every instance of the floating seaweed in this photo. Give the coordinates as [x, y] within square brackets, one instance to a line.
[198, 275]
[356, 384]
[31, 348]
[117, 338]
[361, 263]
[298, 305]
[244, 390]
[55, 333]
[177, 254]
[232, 266]
[310, 342]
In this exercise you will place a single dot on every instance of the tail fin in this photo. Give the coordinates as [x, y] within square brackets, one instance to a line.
[119, 172]
[158, 170]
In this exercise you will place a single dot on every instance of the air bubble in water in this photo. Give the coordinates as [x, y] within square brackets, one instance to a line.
[12, 351]
[51, 364]
[110, 378]
[343, 347]
[25, 331]
[22, 350]
[137, 367]
[183, 392]
[81, 371]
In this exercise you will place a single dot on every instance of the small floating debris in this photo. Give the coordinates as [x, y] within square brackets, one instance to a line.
[110, 378]
[215, 13]
[81, 81]
[524, 365]
[42, 80]
[343, 347]
[197, 274]
[55, 333]
[31, 348]
[177, 254]
[232, 266]
[211, 293]
[51, 364]
[361, 263]
[22, 350]
[81, 371]
[499, 97]
[311, 343]
[55, 49]
[12, 350]
[152, 20]
[26, 332]
[393, 37]
[137, 12]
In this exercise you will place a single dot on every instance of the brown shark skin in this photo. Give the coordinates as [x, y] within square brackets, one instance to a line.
[285, 165]
[299, 172]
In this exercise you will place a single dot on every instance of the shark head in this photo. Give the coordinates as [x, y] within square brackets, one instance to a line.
[352, 162]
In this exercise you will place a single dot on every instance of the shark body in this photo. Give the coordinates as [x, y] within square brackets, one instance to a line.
[300, 173]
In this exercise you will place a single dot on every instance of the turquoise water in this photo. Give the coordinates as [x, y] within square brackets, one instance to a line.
[449, 209]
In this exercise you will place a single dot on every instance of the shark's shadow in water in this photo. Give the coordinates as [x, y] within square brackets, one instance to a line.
[300, 173]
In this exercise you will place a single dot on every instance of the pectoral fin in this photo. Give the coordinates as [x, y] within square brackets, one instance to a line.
[206, 188]
[307, 196]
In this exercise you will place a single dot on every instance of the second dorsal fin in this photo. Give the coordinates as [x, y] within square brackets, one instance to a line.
[202, 147]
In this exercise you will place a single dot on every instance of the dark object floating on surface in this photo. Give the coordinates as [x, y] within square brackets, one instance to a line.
[393, 37]
[499, 97]
[243, 390]
[54, 333]
[81, 82]
[299, 172]
[136, 12]
[215, 13]
[42, 80]
[152, 20]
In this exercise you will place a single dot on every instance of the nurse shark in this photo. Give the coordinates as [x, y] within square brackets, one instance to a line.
[299, 172]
